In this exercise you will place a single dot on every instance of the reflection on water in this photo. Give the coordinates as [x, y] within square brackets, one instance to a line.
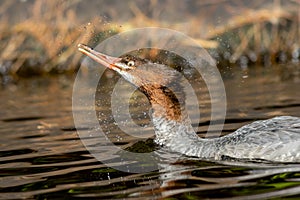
[42, 157]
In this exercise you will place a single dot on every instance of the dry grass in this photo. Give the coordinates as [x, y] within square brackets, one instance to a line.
[47, 45]
[260, 32]
[46, 41]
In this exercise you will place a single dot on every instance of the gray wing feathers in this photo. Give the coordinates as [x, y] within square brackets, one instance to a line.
[276, 139]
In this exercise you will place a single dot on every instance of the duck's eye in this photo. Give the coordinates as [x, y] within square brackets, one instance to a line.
[130, 63]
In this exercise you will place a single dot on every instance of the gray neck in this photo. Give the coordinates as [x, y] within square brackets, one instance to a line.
[179, 136]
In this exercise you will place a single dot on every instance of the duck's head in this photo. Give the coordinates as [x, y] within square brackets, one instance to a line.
[138, 71]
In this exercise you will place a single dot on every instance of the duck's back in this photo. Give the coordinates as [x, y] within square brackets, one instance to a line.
[276, 139]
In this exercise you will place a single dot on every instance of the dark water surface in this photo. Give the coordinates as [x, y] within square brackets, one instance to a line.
[42, 157]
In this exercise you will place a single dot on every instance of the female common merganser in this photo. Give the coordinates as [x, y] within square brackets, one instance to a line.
[276, 139]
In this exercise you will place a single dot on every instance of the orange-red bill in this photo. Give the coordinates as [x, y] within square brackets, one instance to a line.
[107, 61]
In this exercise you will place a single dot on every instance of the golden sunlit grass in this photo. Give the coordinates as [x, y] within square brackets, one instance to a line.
[257, 32]
[46, 41]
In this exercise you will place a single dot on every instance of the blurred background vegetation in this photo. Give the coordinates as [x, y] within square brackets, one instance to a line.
[40, 37]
